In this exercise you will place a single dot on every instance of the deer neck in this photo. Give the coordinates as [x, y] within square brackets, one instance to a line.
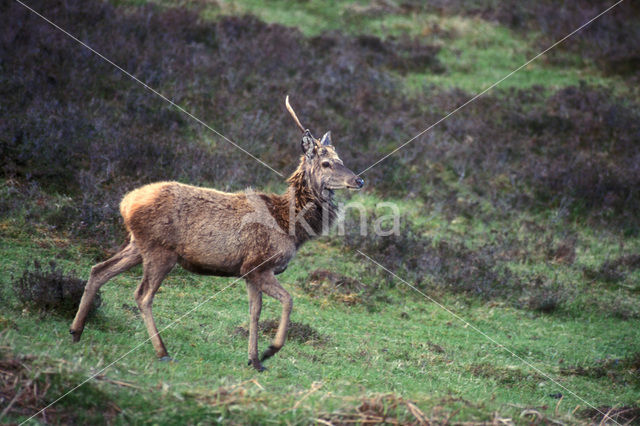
[309, 212]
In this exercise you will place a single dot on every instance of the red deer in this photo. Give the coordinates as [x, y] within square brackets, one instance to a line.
[245, 234]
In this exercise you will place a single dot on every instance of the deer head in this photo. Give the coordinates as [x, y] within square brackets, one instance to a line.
[321, 164]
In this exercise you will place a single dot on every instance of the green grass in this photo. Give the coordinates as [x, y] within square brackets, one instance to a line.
[478, 54]
[408, 346]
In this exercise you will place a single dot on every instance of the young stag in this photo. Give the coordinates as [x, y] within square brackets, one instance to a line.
[244, 234]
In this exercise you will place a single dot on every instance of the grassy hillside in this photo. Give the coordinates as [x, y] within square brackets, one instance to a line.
[519, 213]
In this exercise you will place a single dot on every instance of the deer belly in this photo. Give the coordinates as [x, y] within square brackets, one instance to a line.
[211, 256]
[224, 252]
[204, 269]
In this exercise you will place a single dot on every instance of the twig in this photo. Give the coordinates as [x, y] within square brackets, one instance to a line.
[255, 382]
[117, 382]
[13, 401]
[314, 387]
[452, 414]
[604, 419]
[555, 412]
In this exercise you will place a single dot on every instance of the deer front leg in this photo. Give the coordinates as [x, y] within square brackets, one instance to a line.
[101, 273]
[156, 266]
[255, 307]
[272, 287]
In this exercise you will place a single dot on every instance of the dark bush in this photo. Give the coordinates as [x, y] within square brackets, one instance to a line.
[51, 290]
[70, 114]
[437, 264]
[575, 150]
[403, 55]
[543, 296]
[614, 270]
[612, 40]
[484, 270]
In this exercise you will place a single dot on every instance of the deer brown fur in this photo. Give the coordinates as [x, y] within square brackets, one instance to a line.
[247, 234]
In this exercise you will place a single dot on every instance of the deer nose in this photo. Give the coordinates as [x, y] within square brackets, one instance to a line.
[359, 182]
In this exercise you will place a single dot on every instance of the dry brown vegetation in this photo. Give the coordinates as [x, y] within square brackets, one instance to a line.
[382, 409]
[322, 282]
[506, 376]
[26, 388]
[620, 415]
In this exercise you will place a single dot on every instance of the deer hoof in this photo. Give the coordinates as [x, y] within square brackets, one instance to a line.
[166, 358]
[269, 352]
[75, 336]
[257, 365]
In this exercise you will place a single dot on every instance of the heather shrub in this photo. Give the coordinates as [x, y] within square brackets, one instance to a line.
[436, 264]
[543, 295]
[574, 150]
[613, 271]
[50, 290]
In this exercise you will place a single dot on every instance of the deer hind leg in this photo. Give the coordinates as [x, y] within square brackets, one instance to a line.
[255, 307]
[124, 260]
[157, 264]
[272, 287]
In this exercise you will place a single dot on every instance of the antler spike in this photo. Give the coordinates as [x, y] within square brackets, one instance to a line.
[293, 114]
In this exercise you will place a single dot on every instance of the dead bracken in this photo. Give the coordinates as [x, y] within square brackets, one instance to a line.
[380, 409]
[339, 287]
[626, 414]
[26, 387]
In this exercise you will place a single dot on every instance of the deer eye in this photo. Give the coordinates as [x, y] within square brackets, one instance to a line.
[326, 164]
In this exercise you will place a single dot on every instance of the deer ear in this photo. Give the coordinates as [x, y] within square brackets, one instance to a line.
[308, 144]
[326, 139]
